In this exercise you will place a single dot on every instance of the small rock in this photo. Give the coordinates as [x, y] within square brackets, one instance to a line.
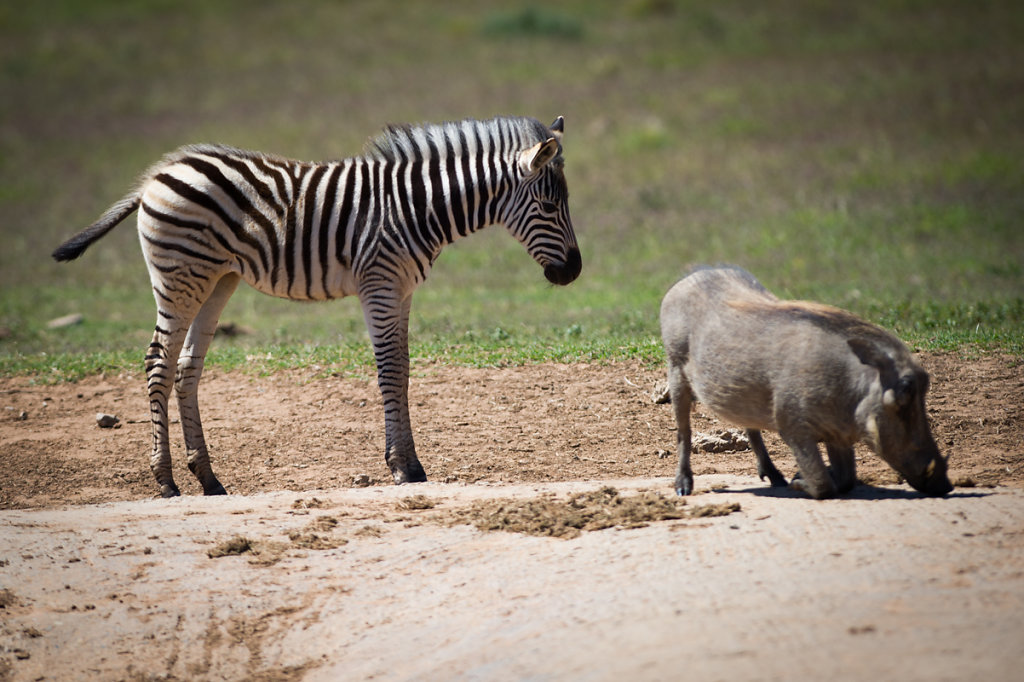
[65, 321]
[22, 416]
[723, 441]
[662, 454]
[661, 395]
[361, 481]
[106, 421]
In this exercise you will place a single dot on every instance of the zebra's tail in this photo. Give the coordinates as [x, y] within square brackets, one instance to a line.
[76, 245]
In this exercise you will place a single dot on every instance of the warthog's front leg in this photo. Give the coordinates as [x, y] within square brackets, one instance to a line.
[814, 478]
[765, 467]
[842, 466]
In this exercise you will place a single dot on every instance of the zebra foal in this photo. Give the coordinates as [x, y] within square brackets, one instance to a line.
[210, 216]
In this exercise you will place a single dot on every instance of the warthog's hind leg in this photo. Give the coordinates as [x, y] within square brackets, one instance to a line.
[682, 398]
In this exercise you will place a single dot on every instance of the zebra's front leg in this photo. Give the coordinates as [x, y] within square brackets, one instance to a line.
[387, 320]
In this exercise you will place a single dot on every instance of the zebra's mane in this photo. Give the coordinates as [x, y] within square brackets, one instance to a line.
[213, 148]
[398, 142]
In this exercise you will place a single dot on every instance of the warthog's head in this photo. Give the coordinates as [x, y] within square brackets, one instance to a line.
[894, 421]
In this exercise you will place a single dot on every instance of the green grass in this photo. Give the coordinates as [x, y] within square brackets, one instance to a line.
[868, 155]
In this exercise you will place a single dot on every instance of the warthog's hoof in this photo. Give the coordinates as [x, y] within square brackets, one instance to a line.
[822, 492]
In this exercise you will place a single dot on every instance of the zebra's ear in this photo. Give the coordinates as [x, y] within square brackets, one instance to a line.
[534, 158]
[558, 127]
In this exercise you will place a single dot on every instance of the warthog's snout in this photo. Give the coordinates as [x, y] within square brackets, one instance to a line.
[565, 273]
[934, 481]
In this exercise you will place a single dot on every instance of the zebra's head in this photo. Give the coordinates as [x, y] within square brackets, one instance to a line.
[538, 214]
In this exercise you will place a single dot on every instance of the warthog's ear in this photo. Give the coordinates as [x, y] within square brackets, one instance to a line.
[534, 158]
[868, 353]
[872, 355]
[898, 391]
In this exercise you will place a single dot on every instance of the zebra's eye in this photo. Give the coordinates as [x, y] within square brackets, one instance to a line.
[549, 207]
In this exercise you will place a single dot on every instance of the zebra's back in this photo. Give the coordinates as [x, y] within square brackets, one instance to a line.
[289, 228]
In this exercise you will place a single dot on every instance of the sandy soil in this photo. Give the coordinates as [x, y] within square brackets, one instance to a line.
[299, 575]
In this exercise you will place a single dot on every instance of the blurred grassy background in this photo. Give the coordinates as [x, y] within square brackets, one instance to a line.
[869, 155]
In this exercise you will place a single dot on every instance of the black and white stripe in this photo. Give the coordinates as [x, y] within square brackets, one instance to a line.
[210, 216]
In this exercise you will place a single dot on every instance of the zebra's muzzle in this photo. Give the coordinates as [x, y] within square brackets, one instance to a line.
[564, 273]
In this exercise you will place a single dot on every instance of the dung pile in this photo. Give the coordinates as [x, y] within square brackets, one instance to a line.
[603, 508]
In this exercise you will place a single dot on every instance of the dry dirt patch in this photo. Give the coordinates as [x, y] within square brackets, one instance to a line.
[298, 576]
[536, 423]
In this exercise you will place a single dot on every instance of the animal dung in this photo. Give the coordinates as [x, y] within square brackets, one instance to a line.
[723, 441]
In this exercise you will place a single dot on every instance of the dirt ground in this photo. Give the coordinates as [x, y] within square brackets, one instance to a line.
[299, 574]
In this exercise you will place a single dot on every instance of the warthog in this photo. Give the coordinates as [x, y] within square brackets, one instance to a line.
[811, 372]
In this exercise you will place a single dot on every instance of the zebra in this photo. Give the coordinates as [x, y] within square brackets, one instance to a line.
[210, 216]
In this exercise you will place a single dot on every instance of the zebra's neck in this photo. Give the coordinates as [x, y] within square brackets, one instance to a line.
[446, 181]
[444, 200]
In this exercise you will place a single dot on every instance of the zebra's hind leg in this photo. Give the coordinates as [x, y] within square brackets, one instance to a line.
[186, 382]
[171, 326]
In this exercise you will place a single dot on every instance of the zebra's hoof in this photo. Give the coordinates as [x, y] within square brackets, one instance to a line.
[169, 490]
[415, 476]
[216, 489]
